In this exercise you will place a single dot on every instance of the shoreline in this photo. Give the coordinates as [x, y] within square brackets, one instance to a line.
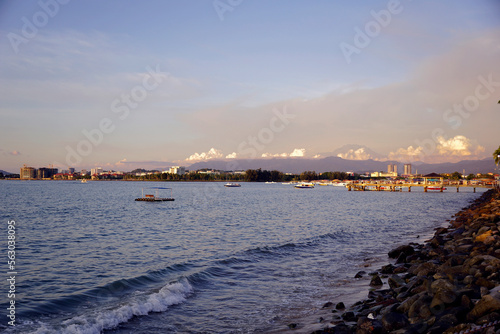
[447, 284]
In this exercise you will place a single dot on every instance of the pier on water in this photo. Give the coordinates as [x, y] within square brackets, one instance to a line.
[382, 186]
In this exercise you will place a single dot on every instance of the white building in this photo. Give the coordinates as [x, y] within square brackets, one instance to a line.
[382, 174]
[177, 170]
[96, 171]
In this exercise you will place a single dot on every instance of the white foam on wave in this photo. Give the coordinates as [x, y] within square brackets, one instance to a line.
[97, 321]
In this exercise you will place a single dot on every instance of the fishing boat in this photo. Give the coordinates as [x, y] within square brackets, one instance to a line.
[232, 185]
[436, 188]
[156, 196]
[304, 185]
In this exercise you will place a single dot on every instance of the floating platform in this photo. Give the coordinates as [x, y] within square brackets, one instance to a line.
[148, 199]
[155, 197]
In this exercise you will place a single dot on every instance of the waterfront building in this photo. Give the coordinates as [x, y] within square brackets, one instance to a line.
[96, 171]
[27, 173]
[382, 174]
[392, 168]
[177, 170]
[46, 173]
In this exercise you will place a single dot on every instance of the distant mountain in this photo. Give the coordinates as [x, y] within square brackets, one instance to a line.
[469, 166]
[5, 173]
[298, 165]
[354, 152]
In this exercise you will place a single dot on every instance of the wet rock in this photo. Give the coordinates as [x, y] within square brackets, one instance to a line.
[405, 249]
[376, 281]
[487, 304]
[292, 326]
[443, 324]
[360, 274]
[395, 282]
[388, 269]
[349, 316]
[393, 321]
[340, 306]
[327, 304]
[368, 326]
[342, 329]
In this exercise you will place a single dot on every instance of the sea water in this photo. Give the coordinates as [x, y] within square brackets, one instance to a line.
[90, 259]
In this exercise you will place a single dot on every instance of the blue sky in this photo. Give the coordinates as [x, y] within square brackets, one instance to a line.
[410, 80]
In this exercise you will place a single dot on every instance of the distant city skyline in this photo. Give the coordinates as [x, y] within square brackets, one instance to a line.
[93, 84]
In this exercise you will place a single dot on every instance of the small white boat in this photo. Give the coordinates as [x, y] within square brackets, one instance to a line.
[84, 180]
[304, 185]
[232, 185]
[339, 184]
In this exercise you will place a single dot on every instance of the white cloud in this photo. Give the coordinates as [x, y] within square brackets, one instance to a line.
[406, 154]
[456, 148]
[233, 155]
[213, 153]
[353, 154]
[298, 152]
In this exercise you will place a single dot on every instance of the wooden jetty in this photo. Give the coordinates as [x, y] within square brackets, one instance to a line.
[386, 186]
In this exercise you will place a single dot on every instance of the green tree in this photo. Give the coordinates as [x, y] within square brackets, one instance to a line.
[456, 176]
[496, 154]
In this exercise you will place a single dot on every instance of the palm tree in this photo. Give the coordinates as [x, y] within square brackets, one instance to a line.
[496, 156]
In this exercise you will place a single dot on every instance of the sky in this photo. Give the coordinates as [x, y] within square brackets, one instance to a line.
[129, 84]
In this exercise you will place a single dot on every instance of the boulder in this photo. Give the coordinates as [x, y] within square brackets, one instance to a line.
[393, 321]
[405, 249]
[376, 281]
[485, 305]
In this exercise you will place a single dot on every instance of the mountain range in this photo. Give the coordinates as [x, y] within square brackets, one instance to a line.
[332, 163]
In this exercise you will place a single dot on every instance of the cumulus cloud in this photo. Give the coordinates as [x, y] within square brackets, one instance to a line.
[213, 153]
[298, 152]
[15, 153]
[352, 154]
[233, 155]
[441, 149]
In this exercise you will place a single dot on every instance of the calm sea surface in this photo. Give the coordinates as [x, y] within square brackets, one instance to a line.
[89, 259]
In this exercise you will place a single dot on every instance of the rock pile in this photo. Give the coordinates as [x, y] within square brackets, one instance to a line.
[450, 284]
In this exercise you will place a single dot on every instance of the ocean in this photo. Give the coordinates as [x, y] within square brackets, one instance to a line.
[90, 259]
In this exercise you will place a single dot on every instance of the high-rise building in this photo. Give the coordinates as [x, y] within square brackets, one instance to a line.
[27, 173]
[46, 173]
[407, 169]
[392, 168]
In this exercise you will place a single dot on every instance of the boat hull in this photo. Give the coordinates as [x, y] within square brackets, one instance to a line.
[142, 199]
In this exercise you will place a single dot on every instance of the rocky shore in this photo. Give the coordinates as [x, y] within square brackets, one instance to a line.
[450, 284]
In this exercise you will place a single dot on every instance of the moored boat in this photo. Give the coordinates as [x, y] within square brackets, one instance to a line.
[232, 185]
[436, 188]
[304, 185]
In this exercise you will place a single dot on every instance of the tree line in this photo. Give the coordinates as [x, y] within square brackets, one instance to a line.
[250, 175]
